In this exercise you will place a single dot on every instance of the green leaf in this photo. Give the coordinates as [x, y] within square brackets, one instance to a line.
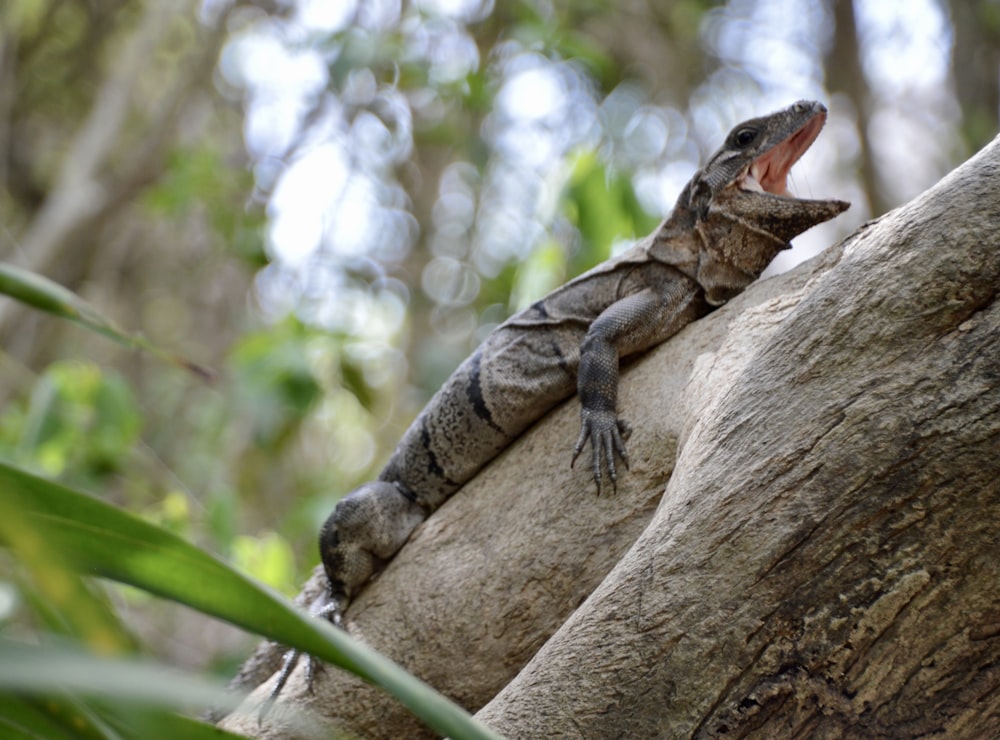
[20, 719]
[100, 539]
[65, 602]
[45, 295]
[160, 725]
[36, 710]
[40, 670]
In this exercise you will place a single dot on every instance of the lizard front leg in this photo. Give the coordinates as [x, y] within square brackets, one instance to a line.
[598, 390]
[629, 325]
[597, 386]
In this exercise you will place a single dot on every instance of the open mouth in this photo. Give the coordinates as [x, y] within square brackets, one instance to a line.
[769, 172]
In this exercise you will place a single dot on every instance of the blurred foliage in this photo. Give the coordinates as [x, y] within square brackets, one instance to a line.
[604, 207]
[199, 180]
[408, 175]
[276, 374]
[79, 422]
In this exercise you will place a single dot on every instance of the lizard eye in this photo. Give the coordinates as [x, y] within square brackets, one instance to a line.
[744, 137]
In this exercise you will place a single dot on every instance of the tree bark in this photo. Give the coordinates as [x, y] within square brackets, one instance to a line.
[823, 459]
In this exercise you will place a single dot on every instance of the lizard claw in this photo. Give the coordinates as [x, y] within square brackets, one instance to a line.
[288, 663]
[607, 435]
[580, 442]
[329, 607]
[332, 610]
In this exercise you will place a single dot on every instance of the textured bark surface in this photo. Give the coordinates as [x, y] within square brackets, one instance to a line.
[823, 561]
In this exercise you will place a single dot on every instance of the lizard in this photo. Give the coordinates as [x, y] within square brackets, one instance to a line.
[729, 222]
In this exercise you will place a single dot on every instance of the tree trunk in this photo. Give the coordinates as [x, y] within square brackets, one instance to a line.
[823, 458]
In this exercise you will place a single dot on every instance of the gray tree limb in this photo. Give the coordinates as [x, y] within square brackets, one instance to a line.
[77, 194]
[806, 543]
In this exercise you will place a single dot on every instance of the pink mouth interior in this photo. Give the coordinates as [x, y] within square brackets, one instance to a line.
[769, 172]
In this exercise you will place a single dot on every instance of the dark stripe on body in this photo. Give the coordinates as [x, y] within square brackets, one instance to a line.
[433, 466]
[474, 392]
[560, 358]
[539, 306]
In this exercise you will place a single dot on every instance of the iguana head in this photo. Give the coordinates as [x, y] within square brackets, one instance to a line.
[739, 203]
[758, 153]
[749, 172]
